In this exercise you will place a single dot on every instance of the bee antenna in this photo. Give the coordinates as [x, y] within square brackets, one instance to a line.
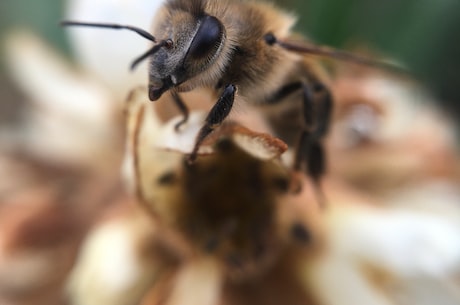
[115, 26]
[149, 52]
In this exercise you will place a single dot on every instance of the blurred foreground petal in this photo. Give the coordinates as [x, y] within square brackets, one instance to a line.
[71, 119]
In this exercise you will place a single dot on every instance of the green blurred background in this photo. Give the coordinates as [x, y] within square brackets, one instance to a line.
[423, 34]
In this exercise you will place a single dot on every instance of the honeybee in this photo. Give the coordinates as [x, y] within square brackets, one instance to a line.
[245, 52]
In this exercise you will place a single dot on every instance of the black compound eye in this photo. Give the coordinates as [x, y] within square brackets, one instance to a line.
[207, 38]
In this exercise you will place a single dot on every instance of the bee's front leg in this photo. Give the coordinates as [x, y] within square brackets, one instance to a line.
[215, 117]
[182, 108]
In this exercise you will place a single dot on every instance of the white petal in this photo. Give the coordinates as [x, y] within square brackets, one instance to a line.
[337, 281]
[199, 282]
[405, 243]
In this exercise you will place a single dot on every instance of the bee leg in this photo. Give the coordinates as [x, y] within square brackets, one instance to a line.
[218, 113]
[311, 153]
[182, 107]
[317, 109]
[305, 139]
[324, 105]
[300, 233]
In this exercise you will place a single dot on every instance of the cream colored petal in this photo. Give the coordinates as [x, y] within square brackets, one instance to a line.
[402, 242]
[426, 291]
[111, 268]
[199, 282]
[336, 280]
[407, 245]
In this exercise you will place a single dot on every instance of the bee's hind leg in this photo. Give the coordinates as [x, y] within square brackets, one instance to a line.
[317, 110]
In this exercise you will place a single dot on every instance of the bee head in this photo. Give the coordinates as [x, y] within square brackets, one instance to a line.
[192, 43]
[187, 42]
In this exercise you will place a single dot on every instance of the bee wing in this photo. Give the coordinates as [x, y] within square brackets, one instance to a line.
[328, 52]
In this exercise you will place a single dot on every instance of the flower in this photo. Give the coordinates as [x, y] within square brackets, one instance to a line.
[227, 229]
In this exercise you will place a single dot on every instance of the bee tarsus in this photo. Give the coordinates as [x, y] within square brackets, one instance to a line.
[215, 117]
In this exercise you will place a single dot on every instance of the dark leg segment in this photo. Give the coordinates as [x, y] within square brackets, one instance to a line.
[182, 107]
[302, 148]
[315, 158]
[215, 117]
[316, 112]
[323, 109]
[308, 101]
[310, 149]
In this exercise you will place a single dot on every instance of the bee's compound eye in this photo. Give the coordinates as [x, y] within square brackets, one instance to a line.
[207, 38]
